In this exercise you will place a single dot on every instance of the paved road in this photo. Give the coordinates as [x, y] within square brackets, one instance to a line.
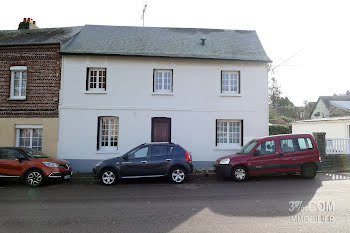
[263, 204]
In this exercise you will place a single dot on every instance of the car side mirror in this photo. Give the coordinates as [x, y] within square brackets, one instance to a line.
[256, 153]
[19, 159]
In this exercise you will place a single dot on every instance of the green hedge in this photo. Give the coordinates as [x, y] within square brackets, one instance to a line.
[279, 129]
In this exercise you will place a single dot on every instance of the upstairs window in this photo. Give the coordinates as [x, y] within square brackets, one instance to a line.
[107, 139]
[18, 82]
[163, 81]
[96, 79]
[230, 83]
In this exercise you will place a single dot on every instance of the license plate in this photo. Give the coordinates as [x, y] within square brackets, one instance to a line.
[66, 177]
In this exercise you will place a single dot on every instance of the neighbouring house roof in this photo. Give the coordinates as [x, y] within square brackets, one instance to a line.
[346, 118]
[344, 105]
[37, 36]
[168, 42]
[327, 100]
[309, 109]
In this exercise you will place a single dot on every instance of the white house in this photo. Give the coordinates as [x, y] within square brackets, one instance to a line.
[337, 131]
[204, 89]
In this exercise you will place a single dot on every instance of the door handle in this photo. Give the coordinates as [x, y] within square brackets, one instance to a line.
[280, 154]
[143, 161]
[168, 160]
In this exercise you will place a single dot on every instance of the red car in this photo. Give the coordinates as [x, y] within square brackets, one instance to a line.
[34, 166]
[289, 153]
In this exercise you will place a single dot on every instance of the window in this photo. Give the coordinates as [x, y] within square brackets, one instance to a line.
[305, 144]
[96, 79]
[18, 82]
[266, 148]
[107, 133]
[159, 150]
[10, 154]
[163, 81]
[288, 145]
[230, 82]
[228, 132]
[29, 136]
[139, 153]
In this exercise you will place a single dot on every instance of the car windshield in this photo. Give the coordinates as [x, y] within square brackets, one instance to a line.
[247, 147]
[34, 153]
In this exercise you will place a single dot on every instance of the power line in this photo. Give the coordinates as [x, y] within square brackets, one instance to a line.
[295, 54]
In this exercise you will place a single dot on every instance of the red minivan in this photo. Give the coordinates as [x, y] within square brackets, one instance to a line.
[289, 153]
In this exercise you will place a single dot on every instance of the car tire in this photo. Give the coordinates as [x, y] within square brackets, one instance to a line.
[308, 171]
[239, 173]
[177, 175]
[34, 178]
[108, 177]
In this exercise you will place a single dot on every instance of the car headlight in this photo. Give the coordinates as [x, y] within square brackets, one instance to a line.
[48, 164]
[225, 161]
[99, 163]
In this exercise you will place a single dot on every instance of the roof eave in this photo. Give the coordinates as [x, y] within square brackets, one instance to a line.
[160, 56]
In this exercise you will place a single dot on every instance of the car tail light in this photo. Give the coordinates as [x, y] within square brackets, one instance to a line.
[188, 156]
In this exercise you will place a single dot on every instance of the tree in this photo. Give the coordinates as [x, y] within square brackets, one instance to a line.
[285, 102]
[274, 93]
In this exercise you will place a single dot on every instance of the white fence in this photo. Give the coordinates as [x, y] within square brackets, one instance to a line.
[337, 146]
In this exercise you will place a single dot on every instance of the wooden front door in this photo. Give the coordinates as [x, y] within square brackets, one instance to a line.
[161, 129]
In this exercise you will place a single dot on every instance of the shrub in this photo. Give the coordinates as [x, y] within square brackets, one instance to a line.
[279, 129]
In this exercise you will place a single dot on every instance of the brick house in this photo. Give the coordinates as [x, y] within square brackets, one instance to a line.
[30, 73]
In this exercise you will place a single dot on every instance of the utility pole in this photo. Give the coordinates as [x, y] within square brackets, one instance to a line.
[143, 15]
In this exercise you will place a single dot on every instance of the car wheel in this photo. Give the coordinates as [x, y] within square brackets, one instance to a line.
[108, 177]
[34, 178]
[239, 173]
[177, 175]
[308, 171]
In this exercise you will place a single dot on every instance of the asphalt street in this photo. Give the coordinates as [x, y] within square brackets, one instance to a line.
[203, 204]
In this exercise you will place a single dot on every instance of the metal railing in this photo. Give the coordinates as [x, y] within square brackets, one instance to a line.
[337, 146]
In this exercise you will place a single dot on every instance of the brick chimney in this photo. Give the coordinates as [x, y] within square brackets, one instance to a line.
[27, 23]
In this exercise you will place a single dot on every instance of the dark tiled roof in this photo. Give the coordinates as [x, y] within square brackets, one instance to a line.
[37, 36]
[327, 99]
[168, 42]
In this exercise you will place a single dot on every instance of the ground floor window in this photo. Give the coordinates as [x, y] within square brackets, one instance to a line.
[29, 136]
[228, 133]
[107, 133]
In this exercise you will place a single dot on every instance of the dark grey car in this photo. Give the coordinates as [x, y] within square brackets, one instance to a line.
[147, 160]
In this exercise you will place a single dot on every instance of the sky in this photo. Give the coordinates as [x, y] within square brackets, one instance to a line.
[313, 36]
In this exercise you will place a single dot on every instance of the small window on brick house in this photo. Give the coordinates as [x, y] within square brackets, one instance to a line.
[29, 136]
[96, 79]
[18, 82]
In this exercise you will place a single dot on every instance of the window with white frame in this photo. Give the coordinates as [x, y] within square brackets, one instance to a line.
[228, 132]
[230, 82]
[29, 136]
[163, 81]
[18, 82]
[96, 79]
[108, 133]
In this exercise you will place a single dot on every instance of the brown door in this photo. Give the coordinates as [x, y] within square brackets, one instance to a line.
[161, 129]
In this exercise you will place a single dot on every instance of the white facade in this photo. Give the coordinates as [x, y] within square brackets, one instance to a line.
[337, 127]
[320, 111]
[194, 105]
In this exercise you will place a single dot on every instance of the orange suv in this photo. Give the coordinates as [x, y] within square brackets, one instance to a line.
[33, 166]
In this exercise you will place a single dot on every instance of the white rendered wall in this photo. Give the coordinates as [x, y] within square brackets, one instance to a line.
[333, 129]
[193, 108]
